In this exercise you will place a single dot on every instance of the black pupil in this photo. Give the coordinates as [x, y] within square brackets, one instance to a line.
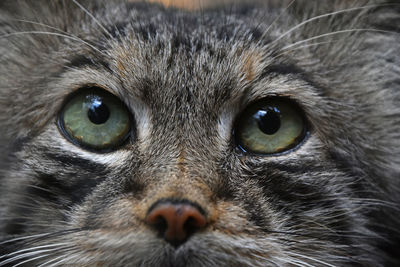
[268, 120]
[98, 112]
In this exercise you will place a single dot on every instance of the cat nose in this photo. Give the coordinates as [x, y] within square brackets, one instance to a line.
[176, 221]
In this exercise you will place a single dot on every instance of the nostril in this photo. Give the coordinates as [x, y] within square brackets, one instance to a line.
[192, 225]
[176, 222]
[158, 223]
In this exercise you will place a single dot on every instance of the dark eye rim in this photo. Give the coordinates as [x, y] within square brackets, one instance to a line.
[60, 122]
[305, 135]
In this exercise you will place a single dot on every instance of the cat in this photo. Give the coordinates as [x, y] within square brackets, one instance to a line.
[262, 133]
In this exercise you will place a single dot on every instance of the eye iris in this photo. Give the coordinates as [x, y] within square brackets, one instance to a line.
[98, 112]
[268, 120]
[270, 126]
[95, 119]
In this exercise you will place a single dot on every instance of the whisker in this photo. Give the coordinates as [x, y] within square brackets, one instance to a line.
[264, 259]
[37, 238]
[310, 258]
[42, 224]
[331, 233]
[23, 238]
[32, 248]
[40, 188]
[68, 257]
[49, 27]
[25, 255]
[55, 34]
[334, 33]
[54, 259]
[93, 17]
[298, 262]
[32, 259]
[280, 15]
[301, 47]
[322, 16]
[43, 25]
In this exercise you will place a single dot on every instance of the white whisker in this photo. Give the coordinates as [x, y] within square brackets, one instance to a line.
[276, 19]
[42, 24]
[68, 257]
[51, 260]
[310, 258]
[23, 238]
[33, 248]
[65, 253]
[297, 262]
[52, 33]
[264, 259]
[301, 47]
[52, 28]
[333, 33]
[309, 45]
[93, 17]
[32, 259]
[319, 17]
[26, 255]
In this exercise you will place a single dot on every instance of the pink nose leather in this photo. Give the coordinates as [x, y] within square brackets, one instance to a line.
[176, 222]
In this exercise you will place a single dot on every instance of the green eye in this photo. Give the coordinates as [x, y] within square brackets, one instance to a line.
[96, 119]
[270, 126]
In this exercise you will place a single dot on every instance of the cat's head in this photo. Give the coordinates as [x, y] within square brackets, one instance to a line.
[239, 135]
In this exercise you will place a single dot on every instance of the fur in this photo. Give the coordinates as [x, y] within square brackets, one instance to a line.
[186, 76]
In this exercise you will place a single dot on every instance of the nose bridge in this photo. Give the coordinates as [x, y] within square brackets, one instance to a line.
[182, 118]
[180, 137]
[180, 184]
[184, 179]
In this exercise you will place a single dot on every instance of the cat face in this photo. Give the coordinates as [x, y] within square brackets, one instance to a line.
[240, 135]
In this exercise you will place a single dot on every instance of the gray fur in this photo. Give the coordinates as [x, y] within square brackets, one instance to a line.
[186, 76]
